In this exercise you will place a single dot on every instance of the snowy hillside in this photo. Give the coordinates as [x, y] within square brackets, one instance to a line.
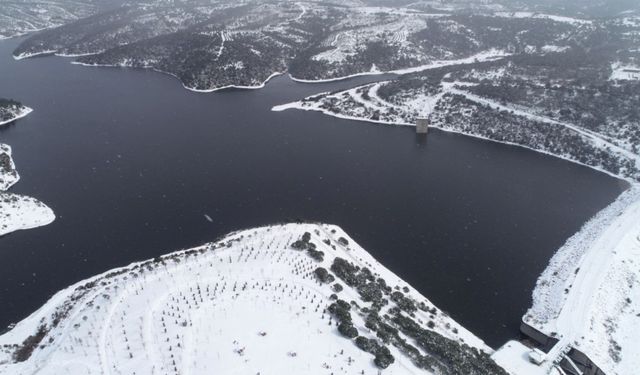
[295, 298]
[212, 45]
[19, 17]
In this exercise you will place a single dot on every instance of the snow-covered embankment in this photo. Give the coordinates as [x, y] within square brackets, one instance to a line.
[588, 296]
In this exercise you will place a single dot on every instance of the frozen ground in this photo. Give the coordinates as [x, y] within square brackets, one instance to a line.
[251, 303]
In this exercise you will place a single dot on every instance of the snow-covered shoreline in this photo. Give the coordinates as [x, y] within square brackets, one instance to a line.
[24, 56]
[220, 88]
[585, 296]
[18, 212]
[549, 296]
[298, 106]
[174, 297]
[255, 87]
[490, 55]
[24, 112]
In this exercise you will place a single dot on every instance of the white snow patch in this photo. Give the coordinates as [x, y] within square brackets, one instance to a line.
[622, 72]
[570, 20]
[553, 48]
[27, 55]
[489, 55]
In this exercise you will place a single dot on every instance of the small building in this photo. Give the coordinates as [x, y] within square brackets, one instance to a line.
[422, 125]
[537, 356]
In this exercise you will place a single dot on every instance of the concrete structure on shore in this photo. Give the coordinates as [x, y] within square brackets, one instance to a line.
[422, 125]
[571, 360]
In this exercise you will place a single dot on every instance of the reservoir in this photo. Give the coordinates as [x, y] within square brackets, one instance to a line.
[135, 166]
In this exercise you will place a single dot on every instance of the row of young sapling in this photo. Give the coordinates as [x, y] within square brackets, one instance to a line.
[176, 309]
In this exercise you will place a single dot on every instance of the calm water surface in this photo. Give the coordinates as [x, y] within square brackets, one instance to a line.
[131, 162]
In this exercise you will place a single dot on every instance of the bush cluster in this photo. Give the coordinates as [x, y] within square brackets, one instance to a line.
[323, 275]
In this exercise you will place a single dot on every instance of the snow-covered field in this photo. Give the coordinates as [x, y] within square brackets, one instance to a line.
[587, 297]
[19, 212]
[247, 304]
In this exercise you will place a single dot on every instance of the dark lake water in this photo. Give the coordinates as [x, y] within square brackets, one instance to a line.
[131, 162]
